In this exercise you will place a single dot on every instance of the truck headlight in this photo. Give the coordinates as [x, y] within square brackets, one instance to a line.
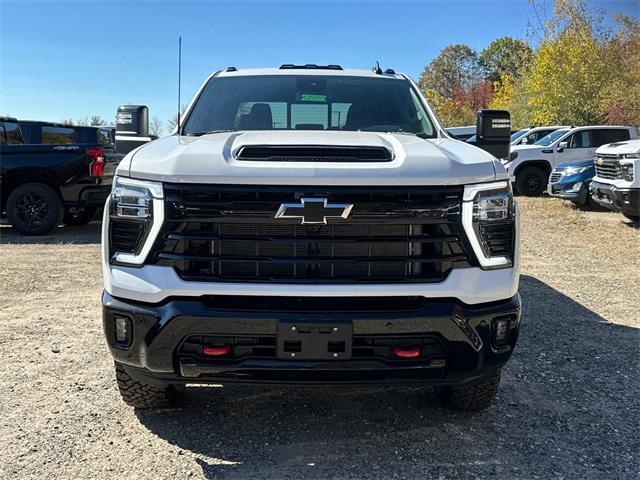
[626, 170]
[136, 212]
[488, 216]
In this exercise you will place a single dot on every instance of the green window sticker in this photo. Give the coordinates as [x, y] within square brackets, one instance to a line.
[311, 97]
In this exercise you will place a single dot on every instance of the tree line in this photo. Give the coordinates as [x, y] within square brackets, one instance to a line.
[574, 69]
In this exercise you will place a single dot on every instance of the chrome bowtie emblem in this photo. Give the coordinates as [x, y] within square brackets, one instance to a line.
[314, 210]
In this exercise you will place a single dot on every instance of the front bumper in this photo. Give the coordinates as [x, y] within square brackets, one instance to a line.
[570, 190]
[167, 339]
[625, 200]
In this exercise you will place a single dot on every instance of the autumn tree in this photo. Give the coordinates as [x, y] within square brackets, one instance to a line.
[621, 94]
[505, 56]
[568, 73]
[454, 85]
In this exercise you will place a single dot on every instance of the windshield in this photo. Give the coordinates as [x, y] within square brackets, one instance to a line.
[309, 102]
[552, 137]
[518, 134]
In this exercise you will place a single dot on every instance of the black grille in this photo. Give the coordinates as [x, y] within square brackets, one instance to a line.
[555, 177]
[608, 167]
[126, 235]
[309, 153]
[498, 238]
[229, 233]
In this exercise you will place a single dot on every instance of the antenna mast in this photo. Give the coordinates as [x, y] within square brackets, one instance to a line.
[179, 77]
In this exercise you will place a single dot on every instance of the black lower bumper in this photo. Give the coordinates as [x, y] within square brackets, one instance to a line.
[95, 195]
[311, 340]
[567, 192]
[625, 200]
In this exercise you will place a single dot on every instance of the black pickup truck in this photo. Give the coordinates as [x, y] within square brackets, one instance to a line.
[52, 173]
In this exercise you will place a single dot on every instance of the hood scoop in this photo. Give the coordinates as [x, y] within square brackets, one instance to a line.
[313, 153]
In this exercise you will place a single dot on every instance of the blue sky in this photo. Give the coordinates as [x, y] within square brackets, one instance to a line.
[66, 59]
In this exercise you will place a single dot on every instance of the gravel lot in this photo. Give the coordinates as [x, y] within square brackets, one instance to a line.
[569, 404]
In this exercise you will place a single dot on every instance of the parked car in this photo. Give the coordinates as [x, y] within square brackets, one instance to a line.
[530, 165]
[532, 135]
[616, 185]
[312, 225]
[52, 173]
[571, 180]
[462, 133]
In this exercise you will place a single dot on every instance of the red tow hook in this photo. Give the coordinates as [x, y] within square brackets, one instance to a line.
[411, 352]
[217, 351]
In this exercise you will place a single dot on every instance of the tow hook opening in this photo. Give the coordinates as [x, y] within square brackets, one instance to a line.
[406, 352]
[217, 351]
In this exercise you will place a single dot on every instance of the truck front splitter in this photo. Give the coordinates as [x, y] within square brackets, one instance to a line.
[228, 339]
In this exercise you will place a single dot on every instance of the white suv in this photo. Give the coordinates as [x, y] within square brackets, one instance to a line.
[530, 165]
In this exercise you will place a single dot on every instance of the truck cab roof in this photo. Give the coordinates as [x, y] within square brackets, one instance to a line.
[309, 69]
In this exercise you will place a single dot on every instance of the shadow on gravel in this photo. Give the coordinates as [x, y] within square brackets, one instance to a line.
[565, 410]
[80, 235]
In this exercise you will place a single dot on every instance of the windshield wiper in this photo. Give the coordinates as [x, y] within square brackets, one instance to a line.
[199, 134]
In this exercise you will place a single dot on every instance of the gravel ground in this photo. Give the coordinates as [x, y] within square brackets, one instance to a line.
[568, 406]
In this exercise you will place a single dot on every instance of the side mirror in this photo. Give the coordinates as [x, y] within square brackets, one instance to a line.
[493, 132]
[562, 146]
[132, 127]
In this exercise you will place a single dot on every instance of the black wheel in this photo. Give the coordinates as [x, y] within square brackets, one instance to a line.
[531, 181]
[474, 396]
[34, 209]
[79, 215]
[145, 395]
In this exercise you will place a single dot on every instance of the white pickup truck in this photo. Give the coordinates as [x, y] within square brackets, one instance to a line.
[617, 182]
[312, 225]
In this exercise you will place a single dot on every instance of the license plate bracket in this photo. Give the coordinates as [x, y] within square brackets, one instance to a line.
[300, 340]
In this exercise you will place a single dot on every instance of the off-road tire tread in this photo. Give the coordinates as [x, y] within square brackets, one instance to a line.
[475, 396]
[144, 395]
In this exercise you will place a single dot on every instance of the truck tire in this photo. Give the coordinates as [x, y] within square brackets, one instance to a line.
[34, 209]
[79, 215]
[475, 396]
[146, 395]
[531, 181]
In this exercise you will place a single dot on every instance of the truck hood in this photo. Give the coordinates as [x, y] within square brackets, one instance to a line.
[211, 159]
[620, 148]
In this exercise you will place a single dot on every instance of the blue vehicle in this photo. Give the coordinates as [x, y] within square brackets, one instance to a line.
[570, 180]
